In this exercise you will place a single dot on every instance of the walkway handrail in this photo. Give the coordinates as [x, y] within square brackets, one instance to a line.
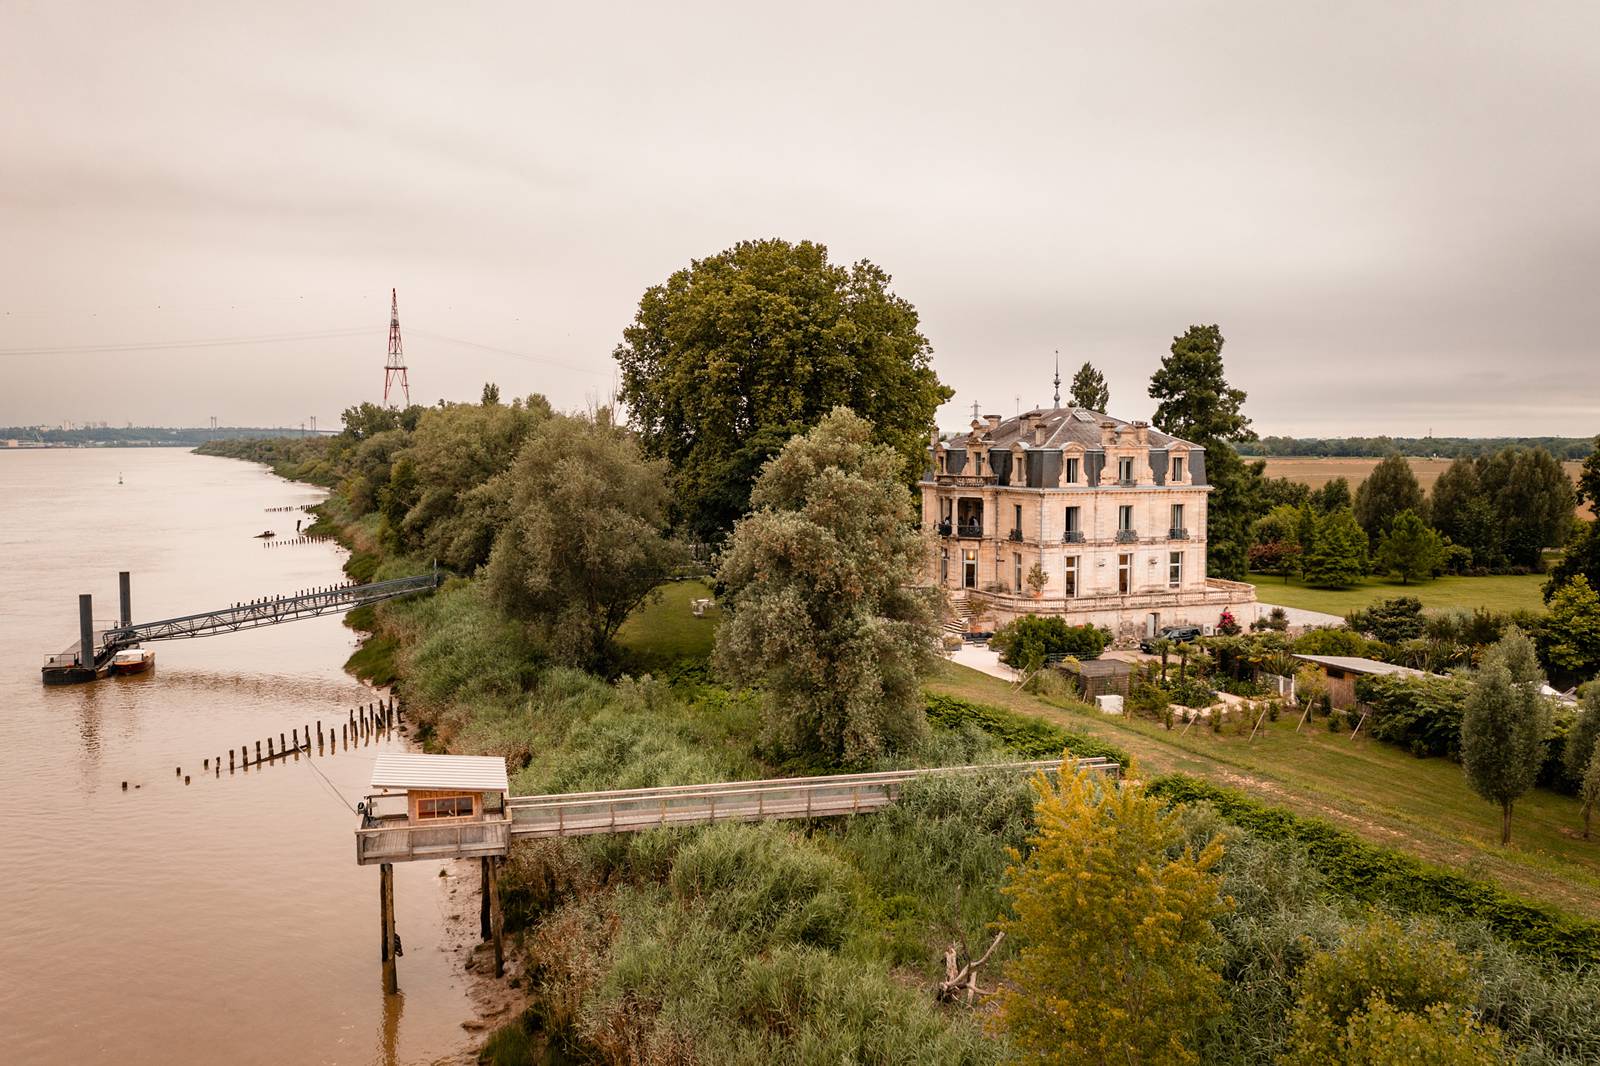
[632, 810]
[267, 611]
[767, 784]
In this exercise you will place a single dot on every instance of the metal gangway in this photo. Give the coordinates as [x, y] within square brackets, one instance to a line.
[634, 810]
[74, 665]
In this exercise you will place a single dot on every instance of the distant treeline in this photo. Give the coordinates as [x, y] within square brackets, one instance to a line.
[146, 435]
[1444, 447]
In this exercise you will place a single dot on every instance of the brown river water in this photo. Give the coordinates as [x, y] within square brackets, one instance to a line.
[225, 920]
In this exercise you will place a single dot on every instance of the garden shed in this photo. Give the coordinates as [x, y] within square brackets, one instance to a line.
[1098, 677]
[1341, 672]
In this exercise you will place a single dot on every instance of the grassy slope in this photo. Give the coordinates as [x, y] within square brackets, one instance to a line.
[665, 629]
[1422, 806]
[1509, 592]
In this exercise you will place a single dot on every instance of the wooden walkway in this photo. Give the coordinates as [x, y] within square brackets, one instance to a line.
[633, 810]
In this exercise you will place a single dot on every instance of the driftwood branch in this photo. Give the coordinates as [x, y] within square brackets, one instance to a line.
[963, 982]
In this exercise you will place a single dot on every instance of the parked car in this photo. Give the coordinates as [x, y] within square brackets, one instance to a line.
[1175, 634]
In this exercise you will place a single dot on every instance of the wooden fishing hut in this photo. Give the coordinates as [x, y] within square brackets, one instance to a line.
[435, 807]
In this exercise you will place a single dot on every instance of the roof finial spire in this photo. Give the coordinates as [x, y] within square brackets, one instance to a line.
[1058, 377]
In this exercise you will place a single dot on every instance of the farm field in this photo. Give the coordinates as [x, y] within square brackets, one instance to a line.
[1499, 592]
[1317, 472]
[1422, 806]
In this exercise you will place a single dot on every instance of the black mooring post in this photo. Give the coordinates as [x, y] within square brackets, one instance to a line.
[86, 631]
[125, 589]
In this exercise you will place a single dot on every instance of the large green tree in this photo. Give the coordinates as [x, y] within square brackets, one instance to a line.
[1409, 549]
[1461, 510]
[1388, 491]
[1332, 496]
[1581, 558]
[1589, 478]
[1089, 389]
[820, 590]
[1572, 637]
[1532, 499]
[1196, 402]
[1337, 555]
[1503, 726]
[582, 542]
[735, 353]
[1113, 926]
[438, 502]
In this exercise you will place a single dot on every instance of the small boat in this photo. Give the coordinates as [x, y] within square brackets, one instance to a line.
[132, 661]
[264, 534]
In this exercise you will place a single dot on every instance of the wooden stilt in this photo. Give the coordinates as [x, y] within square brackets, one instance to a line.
[496, 918]
[483, 904]
[391, 980]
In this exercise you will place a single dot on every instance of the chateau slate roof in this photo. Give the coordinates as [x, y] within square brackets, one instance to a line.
[1063, 426]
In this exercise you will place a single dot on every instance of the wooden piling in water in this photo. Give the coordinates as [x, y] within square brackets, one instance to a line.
[497, 921]
[391, 982]
[484, 930]
[258, 751]
[281, 745]
[270, 756]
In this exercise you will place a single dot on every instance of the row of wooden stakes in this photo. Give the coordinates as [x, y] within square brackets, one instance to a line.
[279, 542]
[296, 507]
[362, 725]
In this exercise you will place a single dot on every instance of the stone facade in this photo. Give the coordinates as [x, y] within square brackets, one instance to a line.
[1112, 512]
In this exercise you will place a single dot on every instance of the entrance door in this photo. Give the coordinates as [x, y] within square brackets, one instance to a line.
[1152, 624]
[969, 569]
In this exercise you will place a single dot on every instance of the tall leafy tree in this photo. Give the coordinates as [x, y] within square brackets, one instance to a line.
[1332, 496]
[1337, 556]
[1112, 918]
[1589, 788]
[1572, 638]
[1089, 389]
[1582, 736]
[1503, 726]
[1461, 510]
[822, 608]
[1390, 489]
[1532, 499]
[582, 543]
[1580, 559]
[735, 353]
[1410, 549]
[1589, 478]
[1197, 403]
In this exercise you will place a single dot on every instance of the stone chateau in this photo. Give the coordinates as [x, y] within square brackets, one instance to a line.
[1112, 512]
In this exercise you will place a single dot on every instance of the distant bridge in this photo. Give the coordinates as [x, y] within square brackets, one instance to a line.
[72, 665]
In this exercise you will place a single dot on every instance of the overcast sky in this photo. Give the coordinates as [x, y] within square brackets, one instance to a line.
[1390, 209]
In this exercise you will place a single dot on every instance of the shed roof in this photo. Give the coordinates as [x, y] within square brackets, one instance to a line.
[468, 773]
[1356, 665]
[1098, 667]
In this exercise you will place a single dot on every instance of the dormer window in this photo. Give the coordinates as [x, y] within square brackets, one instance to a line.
[1125, 470]
[977, 463]
[1072, 472]
[1177, 468]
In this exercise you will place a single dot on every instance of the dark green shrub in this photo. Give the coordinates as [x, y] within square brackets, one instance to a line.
[1027, 643]
[1029, 737]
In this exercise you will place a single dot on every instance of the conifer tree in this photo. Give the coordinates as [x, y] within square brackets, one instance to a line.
[1409, 549]
[1089, 389]
[1338, 554]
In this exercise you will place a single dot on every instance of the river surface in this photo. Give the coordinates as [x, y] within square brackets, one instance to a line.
[223, 920]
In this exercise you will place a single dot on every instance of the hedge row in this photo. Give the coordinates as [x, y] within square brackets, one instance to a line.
[1031, 737]
[1358, 870]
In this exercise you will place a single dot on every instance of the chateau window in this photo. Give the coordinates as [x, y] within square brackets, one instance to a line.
[1125, 470]
[1072, 525]
[944, 566]
[1125, 573]
[1177, 468]
[1016, 517]
[1072, 471]
[977, 463]
[1175, 569]
[942, 464]
[1124, 519]
[1177, 516]
[1016, 564]
[1070, 577]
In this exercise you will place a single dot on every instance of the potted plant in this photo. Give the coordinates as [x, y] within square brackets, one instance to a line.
[1037, 580]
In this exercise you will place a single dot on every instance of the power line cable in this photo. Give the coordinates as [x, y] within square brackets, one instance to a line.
[216, 342]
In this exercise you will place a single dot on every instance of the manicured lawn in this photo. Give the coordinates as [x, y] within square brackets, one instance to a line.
[1422, 806]
[1510, 592]
[666, 629]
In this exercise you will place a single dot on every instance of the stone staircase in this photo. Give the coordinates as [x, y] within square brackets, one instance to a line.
[957, 624]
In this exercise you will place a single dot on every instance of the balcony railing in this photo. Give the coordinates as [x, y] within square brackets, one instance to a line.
[1127, 536]
[1015, 534]
[968, 481]
[1126, 482]
[396, 840]
[1072, 536]
[1177, 533]
[969, 529]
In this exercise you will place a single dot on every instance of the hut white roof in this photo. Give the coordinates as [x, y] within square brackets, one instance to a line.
[465, 773]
